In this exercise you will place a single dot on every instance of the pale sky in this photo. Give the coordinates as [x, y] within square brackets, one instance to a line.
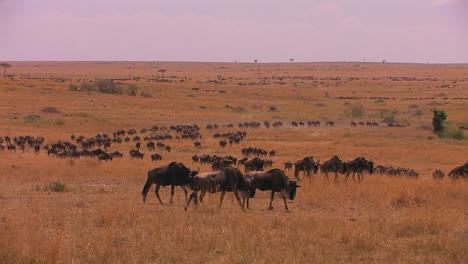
[421, 31]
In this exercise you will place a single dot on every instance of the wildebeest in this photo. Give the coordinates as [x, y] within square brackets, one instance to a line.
[197, 144]
[227, 180]
[11, 147]
[334, 165]
[307, 165]
[135, 154]
[459, 171]
[359, 166]
[255, 164]
[288, 165]
[155, 157]
[104, 156]
[276, 181]
[173, 174]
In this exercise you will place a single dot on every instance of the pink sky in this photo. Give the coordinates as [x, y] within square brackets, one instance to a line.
[433, 31]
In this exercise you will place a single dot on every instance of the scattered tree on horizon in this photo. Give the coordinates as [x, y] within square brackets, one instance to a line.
[162, 71]
[255, 61]
[291, 60]
[5, 66]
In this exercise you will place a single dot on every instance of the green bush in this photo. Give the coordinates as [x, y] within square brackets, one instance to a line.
[452, 133]
[132, 89]
[72, 87]
[108, 87]
[56, 186]
[356, 111]
[438, 120]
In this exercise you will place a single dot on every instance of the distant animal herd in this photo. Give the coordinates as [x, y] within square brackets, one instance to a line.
[226, 175]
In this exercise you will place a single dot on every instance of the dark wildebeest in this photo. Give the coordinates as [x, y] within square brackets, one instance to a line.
[173, 174]
[255, 164]
[155, 157]
[227, 180]
[116, 154]
[359, 166]
[11, 147]
[135, 154]
[104, 156]
[288, 165]
[334, 165]
[307, 165]
[459, 171]
[197, 144]
[276, 181]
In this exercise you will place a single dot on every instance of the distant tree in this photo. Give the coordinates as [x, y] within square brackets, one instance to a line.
[162, 71]
[5, 66]
[438, 120]
[291, 60]
[364, 60]
[255, 61]
[384, 61]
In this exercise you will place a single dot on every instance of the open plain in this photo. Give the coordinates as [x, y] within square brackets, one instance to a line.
[99, 216]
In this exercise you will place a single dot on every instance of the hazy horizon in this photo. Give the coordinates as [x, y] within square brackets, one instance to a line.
[270, 31]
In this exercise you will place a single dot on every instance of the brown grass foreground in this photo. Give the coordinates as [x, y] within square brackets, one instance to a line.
[100, 217]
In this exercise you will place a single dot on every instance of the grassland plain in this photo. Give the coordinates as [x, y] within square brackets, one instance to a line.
[100, 217]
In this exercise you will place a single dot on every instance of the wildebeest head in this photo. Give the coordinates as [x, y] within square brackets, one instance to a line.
[291, 188]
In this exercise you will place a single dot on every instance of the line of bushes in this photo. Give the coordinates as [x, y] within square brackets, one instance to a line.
[107, 87]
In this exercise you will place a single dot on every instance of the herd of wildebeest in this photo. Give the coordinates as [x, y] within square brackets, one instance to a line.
[226, 175]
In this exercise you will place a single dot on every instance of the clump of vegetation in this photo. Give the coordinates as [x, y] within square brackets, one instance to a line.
[132, 89]
[146, 94]
[438, 120]
[87, 87]
[32, 118]
[452, 133]
[72, 87]
[56, 186]
[380, 102]
[272, 108]
[356, 111]
[108, 87]
[50, 110]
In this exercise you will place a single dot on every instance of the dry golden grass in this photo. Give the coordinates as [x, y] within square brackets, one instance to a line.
[100, 217]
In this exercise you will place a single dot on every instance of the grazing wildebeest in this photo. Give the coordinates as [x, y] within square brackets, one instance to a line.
[276, 181]
[197, 144]
[104, 156]
[11, 147]
[334, 165]
[155, 157]
[459, 171]
[150, 145]
[359, 166]
[307, 165]
[173, 174]
[227, 180]
[222, 143]
[135, 154]
[288, 165]
[116, 154]
[438, 174]
[255, 164]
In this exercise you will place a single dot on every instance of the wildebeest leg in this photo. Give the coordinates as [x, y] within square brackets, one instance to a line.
[271, 200]
[221, 199]
[172, 192]
[285, 204]
[360, 177]
[202, 195]
[156, 191]
[192, 196]
[185, 192]
[336, 177]
[236, 194]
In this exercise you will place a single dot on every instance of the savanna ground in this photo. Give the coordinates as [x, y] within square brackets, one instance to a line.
[100, 217]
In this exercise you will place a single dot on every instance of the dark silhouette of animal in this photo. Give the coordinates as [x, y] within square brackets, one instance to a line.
[104, 156]
[359, 166]
[197, 144]
[227, 180]
[155, 157]
[276, 181]
[116, 154]
[307, 165]
[459, 171]
[173, 174]
[255, 164]
[288, 165]
[334, 165]
[11, 147]
[135, 154]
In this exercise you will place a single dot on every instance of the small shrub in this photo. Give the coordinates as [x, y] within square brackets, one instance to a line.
[87, 87]
[356, 111]
[50, 110]
[59, 123]
[32, 118]
[272, 108]
[452, 133]
[146, 94]
[56, 186]
[132, 89]
[438, 120]
[418, 113]
[108, 87]
[380, 102]
[72, 87]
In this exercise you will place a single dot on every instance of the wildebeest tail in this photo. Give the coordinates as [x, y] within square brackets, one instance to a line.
[146, 188]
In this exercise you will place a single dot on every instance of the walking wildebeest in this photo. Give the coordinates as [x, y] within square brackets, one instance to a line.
[276, 181]
[438, 174]
[155, 157]
[359, 166]
[307, 165]
[288, 165]
[334, 165]
[459, 171]
[173, 174]
[227, 180]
